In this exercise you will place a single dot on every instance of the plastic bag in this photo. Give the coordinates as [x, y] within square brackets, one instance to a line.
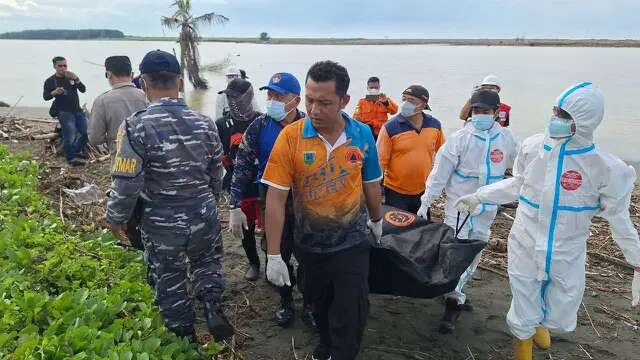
[88, 194]
[416, 258]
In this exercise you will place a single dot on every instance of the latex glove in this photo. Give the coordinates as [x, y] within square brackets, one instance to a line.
[376, 229]
[424, 209]
[237, 222]
[277, 271]
[635, 288]
[468, 203]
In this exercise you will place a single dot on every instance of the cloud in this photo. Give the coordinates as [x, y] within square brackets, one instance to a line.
[342, 18]
[19, 5]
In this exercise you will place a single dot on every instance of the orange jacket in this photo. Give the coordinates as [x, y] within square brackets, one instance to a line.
[374, 113]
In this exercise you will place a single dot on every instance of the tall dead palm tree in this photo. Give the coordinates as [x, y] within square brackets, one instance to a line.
[189, 37]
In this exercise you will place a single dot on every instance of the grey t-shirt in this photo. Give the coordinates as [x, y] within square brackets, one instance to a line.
[110, 109]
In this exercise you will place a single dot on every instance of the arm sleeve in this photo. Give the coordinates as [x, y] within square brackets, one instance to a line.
[98, 125]
[46, 92]
[216, 168]
[392, 108]
[280, 167]
[371, 171]
[220, 102]
[356, 112]
[441, 140]
[127, 175]
[445, 164]
[384, 147]
[245, 162]
[465, 112]
[81, 87]
[615, 199]
[507, 190]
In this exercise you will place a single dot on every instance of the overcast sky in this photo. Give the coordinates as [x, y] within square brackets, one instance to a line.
[344, 18]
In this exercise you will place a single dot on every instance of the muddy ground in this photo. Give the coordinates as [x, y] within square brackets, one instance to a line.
[398, 328]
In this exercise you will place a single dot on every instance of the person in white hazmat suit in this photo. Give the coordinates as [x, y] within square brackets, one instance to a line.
[476, 155]
[561, 181]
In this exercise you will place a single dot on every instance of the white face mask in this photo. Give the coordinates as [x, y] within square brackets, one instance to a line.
[408, 109]
[373, 91]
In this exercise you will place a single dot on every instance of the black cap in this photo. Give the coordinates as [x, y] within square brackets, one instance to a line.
[157, 61]
[420, 92]
[485, 99]
[236, 87]
[117, 62]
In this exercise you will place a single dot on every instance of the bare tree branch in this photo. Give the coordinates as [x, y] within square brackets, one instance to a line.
[211, 19]
[170, 22]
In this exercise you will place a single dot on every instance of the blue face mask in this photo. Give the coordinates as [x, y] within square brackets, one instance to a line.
[408, 109]
[483, 122]
[560, 128]
[275, 110]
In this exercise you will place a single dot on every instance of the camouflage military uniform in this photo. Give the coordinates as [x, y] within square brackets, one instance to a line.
[169, 156]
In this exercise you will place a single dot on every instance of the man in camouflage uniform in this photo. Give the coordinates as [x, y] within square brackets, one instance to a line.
[169, 156]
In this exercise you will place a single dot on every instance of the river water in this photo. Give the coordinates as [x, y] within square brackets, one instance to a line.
[532, 77]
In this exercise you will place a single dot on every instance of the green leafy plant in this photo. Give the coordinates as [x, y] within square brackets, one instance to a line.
[68, 295]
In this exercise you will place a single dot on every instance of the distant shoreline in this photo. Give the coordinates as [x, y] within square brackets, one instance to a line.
[522, 42]
[628, 43]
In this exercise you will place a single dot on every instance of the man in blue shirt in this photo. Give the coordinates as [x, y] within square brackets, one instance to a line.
[283, 98]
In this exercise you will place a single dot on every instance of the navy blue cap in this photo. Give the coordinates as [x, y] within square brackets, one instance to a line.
[283, 83]
[486, 99]
[157, 61]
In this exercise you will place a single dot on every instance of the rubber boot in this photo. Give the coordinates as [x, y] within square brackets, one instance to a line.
[285, 315]
[252, 273]
[542, 338]
[523, 349]
[217, 323]
[467, 306]
[185, 331]
[451, 314]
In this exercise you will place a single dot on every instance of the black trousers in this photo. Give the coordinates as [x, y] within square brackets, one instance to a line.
[410, 203]
[337, 286]
[249, 245]
[286, 248]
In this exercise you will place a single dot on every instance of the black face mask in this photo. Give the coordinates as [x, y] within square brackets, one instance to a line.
[241, 107]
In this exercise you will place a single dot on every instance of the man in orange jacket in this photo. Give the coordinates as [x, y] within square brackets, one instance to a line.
[375, 108]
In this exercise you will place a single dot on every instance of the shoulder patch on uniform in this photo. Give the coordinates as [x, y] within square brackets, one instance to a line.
[127, 162]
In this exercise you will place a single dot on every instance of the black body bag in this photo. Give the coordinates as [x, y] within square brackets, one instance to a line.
[418, 258]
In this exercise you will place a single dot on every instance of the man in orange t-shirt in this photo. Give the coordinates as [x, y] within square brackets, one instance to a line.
[407, 145]
[375, 108]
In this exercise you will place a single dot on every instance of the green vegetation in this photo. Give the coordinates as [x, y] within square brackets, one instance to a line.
[264, 36]
[68, 295]
[57, 34]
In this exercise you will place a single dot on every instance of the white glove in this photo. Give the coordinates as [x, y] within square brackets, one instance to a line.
[424, 209]
[468, 203]
[635, 288]
[237, 222]
[376, 229]
[277, 271]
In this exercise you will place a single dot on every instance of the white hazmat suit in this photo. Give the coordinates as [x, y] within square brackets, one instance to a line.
[468, 160]
[561, 185]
